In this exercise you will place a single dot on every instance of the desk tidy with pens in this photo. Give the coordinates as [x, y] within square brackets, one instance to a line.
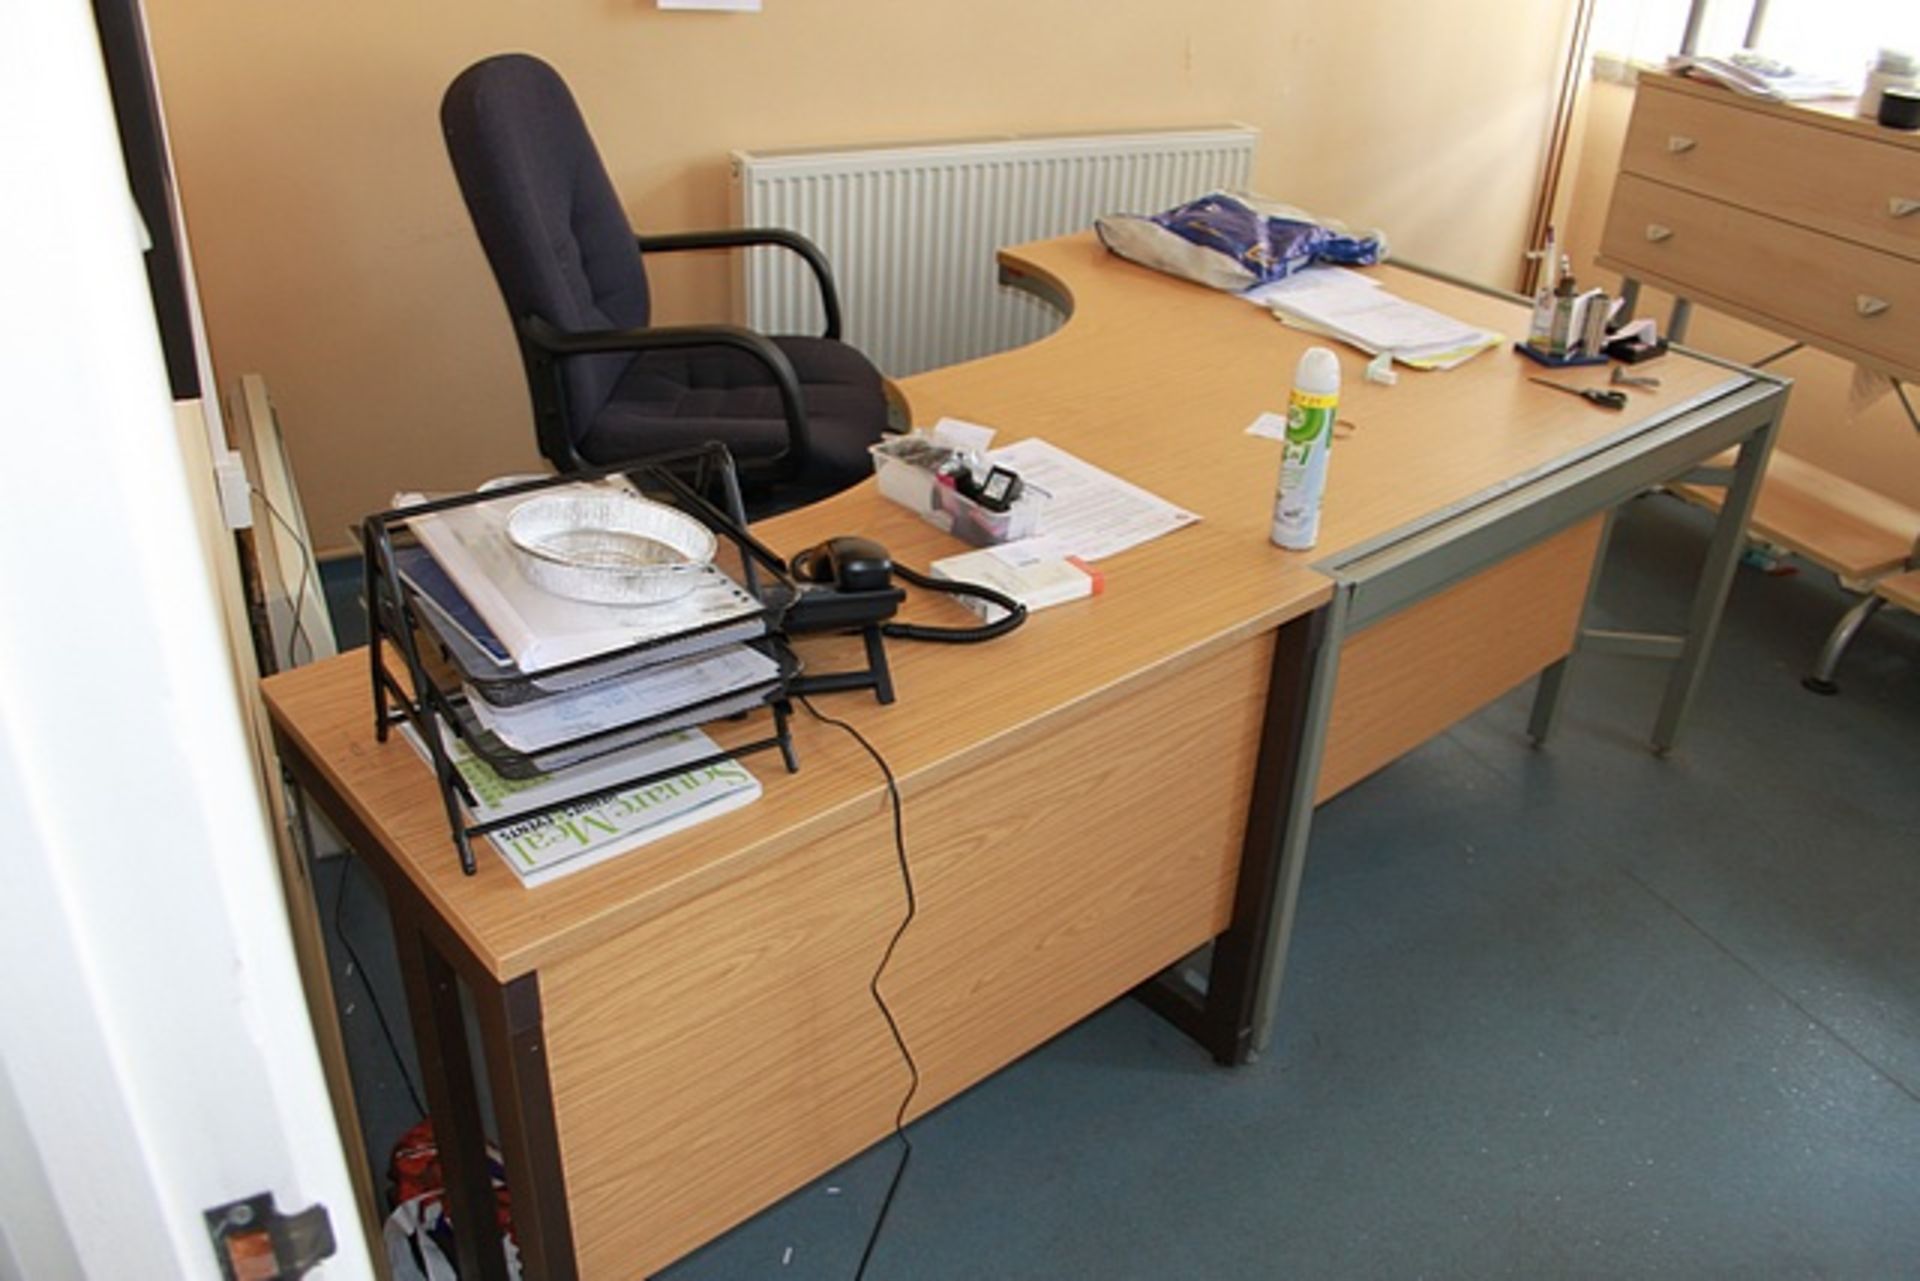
[1571, 326]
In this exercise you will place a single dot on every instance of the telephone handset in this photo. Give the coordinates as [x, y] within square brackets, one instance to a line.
[849, 563]
[852, 580]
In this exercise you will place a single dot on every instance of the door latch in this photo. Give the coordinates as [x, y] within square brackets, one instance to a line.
[255, 1242]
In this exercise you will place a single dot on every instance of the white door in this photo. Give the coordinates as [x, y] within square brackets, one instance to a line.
[155, 1055]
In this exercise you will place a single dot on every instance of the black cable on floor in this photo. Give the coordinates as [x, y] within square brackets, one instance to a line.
[366, 985]
[873, 986]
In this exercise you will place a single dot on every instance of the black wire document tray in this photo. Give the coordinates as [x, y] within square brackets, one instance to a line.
[491, 736]
[465, 648]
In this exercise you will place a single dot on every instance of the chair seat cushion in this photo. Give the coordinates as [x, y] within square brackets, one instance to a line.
[673, 399]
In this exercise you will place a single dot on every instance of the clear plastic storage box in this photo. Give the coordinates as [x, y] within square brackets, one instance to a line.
[907, 469]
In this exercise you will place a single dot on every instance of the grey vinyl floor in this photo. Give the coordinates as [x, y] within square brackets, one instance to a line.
[1578, 1012]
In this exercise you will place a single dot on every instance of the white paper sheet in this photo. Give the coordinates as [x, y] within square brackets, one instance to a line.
[1376, 321]
[654, 691]
[1269, 425]
[958, 433]
[1093, 513]
[1330, 280]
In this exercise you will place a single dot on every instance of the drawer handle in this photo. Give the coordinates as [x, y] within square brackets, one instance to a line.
[1657, 233]
[1869, 306]
[1679, 142]
[1901, 207]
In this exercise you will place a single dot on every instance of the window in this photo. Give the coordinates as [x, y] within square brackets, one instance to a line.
[1837, 36]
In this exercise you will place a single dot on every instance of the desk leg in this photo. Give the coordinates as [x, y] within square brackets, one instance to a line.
[1547, 696]
[440, 1037]
[515, 1044]
[1716, 580]
[1293, 821]
[1223, 1018]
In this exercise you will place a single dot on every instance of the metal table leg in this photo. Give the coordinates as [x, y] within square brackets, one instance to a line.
[1716, 580]
[1295, 815]
[1223, 1018]
[1552, 687]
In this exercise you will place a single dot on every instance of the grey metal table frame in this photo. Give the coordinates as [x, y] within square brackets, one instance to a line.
[1379, 579]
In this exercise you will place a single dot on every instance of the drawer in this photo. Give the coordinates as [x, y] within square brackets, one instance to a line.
[1827, 290]
[1791, 167]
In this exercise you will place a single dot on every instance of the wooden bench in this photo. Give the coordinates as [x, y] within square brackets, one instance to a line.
[1870, 542]
[1902, 590]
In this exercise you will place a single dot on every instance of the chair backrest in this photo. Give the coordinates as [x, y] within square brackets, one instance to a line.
[558, 241]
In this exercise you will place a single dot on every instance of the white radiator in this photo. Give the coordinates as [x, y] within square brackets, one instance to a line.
[911, 231]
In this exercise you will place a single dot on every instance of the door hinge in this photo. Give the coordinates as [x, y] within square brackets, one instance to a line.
[255, 1242]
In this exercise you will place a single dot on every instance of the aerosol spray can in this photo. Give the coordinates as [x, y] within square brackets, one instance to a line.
[1303, 457]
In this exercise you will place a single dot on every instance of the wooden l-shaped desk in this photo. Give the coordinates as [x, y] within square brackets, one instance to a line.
[677, 1038]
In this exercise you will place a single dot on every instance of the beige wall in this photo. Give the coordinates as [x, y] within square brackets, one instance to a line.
[336, 259]
[1874, 445]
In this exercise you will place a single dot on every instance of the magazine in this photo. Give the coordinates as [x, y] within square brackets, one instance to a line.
[550, 844]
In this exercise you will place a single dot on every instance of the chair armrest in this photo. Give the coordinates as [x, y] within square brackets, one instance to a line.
[742, 237]
[554, 341]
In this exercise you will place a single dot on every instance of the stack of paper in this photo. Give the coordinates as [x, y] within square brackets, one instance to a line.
[1354, 309]
[1762, 77]
[505, 635]
[644, 697]
[485, 660]
[537, 629]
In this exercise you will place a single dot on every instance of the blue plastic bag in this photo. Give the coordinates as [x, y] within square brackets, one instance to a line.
[1233, 243]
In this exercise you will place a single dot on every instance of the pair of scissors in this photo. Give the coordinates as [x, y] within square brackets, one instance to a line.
[1621, 378]
[1592, 395]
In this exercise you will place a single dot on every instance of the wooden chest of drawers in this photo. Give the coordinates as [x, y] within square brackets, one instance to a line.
[1800, 219]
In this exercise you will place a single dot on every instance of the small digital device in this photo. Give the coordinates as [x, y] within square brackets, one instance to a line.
[999, 490]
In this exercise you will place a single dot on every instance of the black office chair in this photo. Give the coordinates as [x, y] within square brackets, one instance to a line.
[608, 385]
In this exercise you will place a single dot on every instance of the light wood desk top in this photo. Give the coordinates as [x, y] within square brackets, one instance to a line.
[1153, 379]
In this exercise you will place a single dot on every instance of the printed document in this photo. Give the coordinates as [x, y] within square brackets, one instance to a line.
[1312, 280]
[1092, 513]
[1375, 321]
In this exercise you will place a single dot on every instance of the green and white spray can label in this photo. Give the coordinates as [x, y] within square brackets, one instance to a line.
[1303, 458]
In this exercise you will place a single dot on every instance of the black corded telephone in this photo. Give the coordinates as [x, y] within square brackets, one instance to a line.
[848, 583]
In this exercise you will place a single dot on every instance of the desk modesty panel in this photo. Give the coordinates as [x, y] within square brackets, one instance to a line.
[688, 1028]
[750, 1057]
